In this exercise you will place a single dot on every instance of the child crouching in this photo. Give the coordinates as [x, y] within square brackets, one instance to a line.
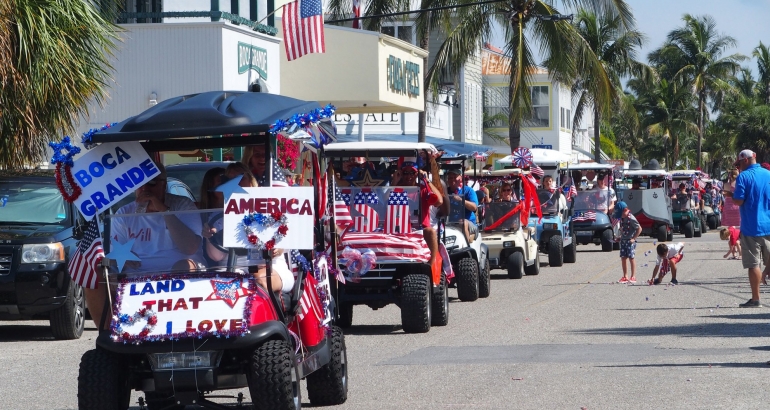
[733, 235]
[668, 257]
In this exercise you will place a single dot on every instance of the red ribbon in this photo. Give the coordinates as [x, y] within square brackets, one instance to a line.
[505, 217]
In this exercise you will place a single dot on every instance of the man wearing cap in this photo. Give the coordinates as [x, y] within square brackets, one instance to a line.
[605, 196]
[462, 197]
[752, 195]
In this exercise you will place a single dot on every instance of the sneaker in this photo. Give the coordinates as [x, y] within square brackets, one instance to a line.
[633, 279]
[623, 280]
[656, 281]
[674, 281]
[751, 304]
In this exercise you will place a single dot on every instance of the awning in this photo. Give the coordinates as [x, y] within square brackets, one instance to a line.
[452, 147]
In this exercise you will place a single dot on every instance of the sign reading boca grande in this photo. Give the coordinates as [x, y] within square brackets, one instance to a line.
[252, 58]
[403, 76]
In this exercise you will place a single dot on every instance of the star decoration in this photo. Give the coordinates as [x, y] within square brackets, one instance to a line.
[121, 252]
[231, 187]
[58, 157]
[367, 180]
[228, 291]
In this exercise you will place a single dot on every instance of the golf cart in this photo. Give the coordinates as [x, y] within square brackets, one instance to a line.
[650, 202]
[711, 209]
[511, 246]
[554, 234]
[591, 214]
[386, 221]
[178, 333]
[470, 259]
[687, 208]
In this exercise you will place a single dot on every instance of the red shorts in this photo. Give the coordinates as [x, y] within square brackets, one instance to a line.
[664, 268]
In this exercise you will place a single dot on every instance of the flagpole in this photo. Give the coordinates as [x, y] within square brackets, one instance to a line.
[270, 14]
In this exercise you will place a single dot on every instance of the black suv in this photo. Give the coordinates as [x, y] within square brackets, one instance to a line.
[37, 235]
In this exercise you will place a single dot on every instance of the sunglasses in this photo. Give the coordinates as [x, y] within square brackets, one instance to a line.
[506, 190]
[155, 181]
[408, 174]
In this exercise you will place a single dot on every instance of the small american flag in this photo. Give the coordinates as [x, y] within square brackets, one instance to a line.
[357, 14]
[87, 256]
[369, 220]
[279, 179]
[584, 216]
[309, 301]
[409, 246]
[341, 211]
[397, 218]
[303, 28]
[570, 192]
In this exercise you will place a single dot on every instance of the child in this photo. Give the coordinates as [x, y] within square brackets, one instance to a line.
[668, 257]
[629, 231]
[733, 234]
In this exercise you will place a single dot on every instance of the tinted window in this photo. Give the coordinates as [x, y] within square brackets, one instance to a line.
[31, 202]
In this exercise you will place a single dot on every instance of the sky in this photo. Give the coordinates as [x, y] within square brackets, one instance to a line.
[748, 21]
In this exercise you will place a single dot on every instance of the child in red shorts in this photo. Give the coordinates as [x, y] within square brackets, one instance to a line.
[733, 235]
[668, 257]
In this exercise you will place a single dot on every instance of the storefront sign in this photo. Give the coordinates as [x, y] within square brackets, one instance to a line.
[403, 76]
[381, 118]
[542, 146]
[252, 58]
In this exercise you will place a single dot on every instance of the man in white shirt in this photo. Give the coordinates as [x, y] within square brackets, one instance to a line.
[605, 196]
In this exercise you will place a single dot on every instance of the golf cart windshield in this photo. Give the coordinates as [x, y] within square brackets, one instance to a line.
[497, 211]
[382, 209]
[549, 203]
[594, 200]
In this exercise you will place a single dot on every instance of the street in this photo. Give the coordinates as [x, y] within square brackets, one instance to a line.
[569, 338]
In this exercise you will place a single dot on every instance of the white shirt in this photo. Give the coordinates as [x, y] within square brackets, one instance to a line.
[153, 244]
[672, 251]
[601, 204]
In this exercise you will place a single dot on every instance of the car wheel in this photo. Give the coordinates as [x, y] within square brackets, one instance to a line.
[570, 252]
[415, 303]
[662, 233]
[328, 386]
[440, 304]
[515, 265]
[607, 240]
[467, 277]
[534, 268]
[712, 222]
[273, 379]
[102, 382]
[485, 283]
[68, 321]
[555, 251]
[688, 229]
[344, 315]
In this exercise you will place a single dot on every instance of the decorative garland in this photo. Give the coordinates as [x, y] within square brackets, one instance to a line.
[88, 135]
[265, 221]
[306, 122]
[69, 189]
[143, 313]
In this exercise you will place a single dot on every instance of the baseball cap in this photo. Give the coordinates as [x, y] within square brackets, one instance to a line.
[409, 162]
[620, 206]
[747, 153]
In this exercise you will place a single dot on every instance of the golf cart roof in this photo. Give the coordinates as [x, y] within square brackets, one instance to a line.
[645, 173]
[541, 157]
[377, 149]
[214, 113]
[684, 173]
[503, 172]
[590, 166]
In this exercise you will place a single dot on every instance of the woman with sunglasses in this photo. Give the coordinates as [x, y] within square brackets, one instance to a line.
[506, 193]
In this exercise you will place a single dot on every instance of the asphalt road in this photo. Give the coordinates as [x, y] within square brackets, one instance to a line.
[569, 338]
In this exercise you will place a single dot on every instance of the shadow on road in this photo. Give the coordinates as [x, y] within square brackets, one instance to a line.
[753, 365]
[699, 330]
[21, 333]
[361, 330]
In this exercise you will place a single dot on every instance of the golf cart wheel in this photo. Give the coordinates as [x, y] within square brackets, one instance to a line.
[467, 280]
[485, 282]
[344, 315]
[616, 246]
[328, 386]
[662, 233]
[607, 240]
[416, 291]
[698, 232]
[688, 229]
[555, 251]
[515, 265]
[712, 222]
[68, 321]
[440, 304]
[570, 252]
[102, 382]
[274, 377]
[534, 269]
[703, 226]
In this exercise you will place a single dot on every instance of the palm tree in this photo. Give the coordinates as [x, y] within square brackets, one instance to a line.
[615, 49]
[626, 124]
[694, 54]
[54, 59]
[763, 65]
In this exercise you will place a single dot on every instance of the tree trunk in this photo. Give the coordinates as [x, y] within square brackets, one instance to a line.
[597, 137]
[514, 124]
[422, 116]
[701, 107]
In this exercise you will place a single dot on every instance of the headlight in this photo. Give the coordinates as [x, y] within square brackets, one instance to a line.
[450, 240]
[177, 361]
[47, 252]
[507, 244]
[550, 226]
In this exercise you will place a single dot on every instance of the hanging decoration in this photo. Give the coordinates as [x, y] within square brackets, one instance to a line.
[87, 136]
[66, 183]
[316, 127]
[143, 313]
[358, 263]
[522, 157]
[256, 222]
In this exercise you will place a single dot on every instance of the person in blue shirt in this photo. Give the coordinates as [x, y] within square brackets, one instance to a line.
[462, 197]
[752, 195]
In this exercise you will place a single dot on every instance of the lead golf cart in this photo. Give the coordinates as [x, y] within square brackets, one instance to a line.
[650, 202]
[385, 219]
[591, 213]
[178, 333]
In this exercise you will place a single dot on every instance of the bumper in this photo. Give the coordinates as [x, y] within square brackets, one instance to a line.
[32, 290]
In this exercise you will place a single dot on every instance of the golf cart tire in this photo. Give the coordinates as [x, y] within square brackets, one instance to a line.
[704, 226]
[467, 280]
[712, 222]
[328, 386]
[515, 265]
[440, 304]
[274, 377]
[68, 321]
[698, 232]
[662, 233]
[607, 240]
[416, 291]
[555, 251]
[670, 236]
[344, 315]
[616, 246]
[570, 252]
[534, 269]
[102, 382]
[688, 230]
[485, 282]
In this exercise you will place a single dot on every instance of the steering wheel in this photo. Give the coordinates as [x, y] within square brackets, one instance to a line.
[218, 238]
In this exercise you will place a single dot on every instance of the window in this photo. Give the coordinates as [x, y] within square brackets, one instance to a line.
[402, 32]
[495, 104]
[566, 119]
[561, 118]
[540, 107]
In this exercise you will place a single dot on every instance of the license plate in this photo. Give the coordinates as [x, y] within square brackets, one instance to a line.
[584, 233]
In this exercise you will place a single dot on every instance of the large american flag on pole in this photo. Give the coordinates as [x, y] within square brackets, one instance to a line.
[369, 219]
[88, 254]
[387, 247]
[303, 28]
[397, 217]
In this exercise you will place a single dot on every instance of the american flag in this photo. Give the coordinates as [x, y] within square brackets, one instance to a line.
[357, 14]
[361, 203]
[88, 254]
[279, 179]
[322, 185]
[309, 301]
[409, 246]
[397, 218]
[584, 216]
[303, 28]
[341, 211]
[570, 192]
